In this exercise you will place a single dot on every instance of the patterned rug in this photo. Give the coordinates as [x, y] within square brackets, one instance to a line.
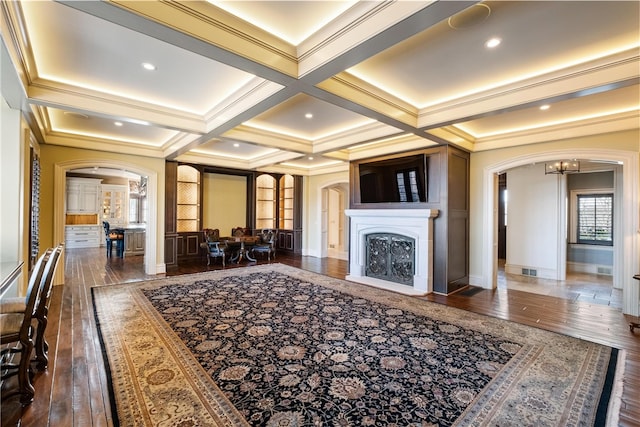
[273, 345]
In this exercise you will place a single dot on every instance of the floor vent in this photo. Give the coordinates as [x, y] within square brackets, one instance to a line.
[605, 270]
[529, 272]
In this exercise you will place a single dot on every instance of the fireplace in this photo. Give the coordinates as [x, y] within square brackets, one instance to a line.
[392, 249]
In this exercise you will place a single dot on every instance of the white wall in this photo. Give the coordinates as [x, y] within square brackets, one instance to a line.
[613, 147]
[11, 192]
[312, 209]
[532, 228]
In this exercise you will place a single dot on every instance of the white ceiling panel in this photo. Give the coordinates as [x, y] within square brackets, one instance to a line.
[229, 73]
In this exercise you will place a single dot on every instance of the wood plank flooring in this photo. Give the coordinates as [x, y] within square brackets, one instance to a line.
[73, 391]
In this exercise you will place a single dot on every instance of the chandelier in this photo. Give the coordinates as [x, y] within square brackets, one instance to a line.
[562, 167]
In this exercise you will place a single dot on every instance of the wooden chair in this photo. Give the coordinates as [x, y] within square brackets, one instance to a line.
[18, 305]
[42, 311]
[17, 333]
[240, 231]
[213, 246]
[267, 243]
[114, 235]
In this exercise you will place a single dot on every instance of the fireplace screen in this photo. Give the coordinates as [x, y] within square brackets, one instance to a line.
[390, 257]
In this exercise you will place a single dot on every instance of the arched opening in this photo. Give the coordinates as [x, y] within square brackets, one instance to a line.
[625, 253]
[335, 225]
[151, 266]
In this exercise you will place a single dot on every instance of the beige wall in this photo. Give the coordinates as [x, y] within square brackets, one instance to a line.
[224, 202]
[52, 155]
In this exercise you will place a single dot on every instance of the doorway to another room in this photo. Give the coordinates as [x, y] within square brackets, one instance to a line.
[528, 225]
[335, 225]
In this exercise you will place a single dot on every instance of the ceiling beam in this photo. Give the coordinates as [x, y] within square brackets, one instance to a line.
[551, 100]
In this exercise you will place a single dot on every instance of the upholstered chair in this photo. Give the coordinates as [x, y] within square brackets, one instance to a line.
[18, 305]
[212, 244]
[267, 243]
[17, 332]
[240, 231]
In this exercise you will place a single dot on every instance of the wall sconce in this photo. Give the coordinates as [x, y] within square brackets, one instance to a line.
[562, 167]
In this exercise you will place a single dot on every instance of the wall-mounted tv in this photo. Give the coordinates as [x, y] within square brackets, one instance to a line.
[394, 180]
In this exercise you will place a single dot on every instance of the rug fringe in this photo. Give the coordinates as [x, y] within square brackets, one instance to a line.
[613, 412]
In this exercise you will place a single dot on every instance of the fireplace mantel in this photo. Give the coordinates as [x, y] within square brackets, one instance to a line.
[414, 223]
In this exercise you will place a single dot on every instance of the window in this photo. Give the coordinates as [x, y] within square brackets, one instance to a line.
[138, 201]
[408, 186]
[595, 219]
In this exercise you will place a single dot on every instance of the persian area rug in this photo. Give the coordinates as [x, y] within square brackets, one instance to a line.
[273, 345]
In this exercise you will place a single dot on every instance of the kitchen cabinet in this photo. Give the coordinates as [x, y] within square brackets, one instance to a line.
[115, 201]
[134, 241]
[82, 195]
[83, 236]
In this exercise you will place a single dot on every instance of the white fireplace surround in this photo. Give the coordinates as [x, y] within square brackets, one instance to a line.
[414, 223]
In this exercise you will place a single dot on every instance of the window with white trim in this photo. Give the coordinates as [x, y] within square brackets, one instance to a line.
[595, 219]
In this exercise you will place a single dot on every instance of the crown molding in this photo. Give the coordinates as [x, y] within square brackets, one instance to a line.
[605, 124]
[577, 80]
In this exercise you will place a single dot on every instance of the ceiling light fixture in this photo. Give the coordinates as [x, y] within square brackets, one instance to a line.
[117, 123]
[493, 42]
[236, 145]
[309, 116]
[310, 158]
[148, 66]
[545, 107]
[562, 167]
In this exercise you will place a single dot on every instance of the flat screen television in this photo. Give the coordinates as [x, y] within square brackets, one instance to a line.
[395, 180]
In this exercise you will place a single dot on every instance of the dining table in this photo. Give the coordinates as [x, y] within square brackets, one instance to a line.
[240, 247]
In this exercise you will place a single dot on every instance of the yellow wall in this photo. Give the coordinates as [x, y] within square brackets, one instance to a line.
[224, 202]
[52, 155]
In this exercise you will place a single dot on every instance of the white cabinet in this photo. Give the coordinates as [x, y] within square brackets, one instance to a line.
[83, 236]
[115, 201]
[82, 195]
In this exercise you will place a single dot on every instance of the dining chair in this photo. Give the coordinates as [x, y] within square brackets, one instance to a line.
[17, 333]
[240, 231]
[114, 235]
[212, 244]
[42, 310]
[267, 243]
[18, 305]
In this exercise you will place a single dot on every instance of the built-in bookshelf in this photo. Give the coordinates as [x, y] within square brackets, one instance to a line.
[188, 199]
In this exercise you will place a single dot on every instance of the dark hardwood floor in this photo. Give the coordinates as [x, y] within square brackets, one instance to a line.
[73, 391]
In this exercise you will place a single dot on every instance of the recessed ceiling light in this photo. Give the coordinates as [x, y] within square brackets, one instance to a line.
[308, 115]
[236, 145]
[117, 123]
[493, 42]
[545, 107]
[310, 158]
[148, 66]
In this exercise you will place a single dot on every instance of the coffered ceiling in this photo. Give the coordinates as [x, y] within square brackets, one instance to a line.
[305, 86]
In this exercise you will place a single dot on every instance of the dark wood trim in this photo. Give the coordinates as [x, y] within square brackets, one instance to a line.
[170, 215]
[447, 189]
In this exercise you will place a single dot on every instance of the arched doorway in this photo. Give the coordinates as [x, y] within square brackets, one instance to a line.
[625, 254]
[335, 225]
[151, 266]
